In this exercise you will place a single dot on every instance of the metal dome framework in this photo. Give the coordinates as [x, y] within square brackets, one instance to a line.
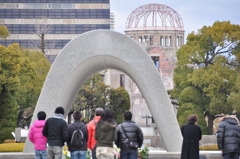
[154, 17]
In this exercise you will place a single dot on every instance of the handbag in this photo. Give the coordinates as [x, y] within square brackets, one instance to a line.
[131, 144]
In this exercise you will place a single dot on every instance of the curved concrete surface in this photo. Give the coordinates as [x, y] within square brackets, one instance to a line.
[98, 50]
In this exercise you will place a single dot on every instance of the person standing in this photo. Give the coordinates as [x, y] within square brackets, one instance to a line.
[228, 137]
[56, 131]
[91, 131]
[127, 132]
[105, 134]
[191, 135]
[36, 137]
[77, 131]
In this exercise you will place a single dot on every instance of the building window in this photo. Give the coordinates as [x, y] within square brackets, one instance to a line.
[170, 41]
[151, 40]
[155, 60]
[161, 41]
[102, 77]
[178, 41]
[140, 39]
[122, 80]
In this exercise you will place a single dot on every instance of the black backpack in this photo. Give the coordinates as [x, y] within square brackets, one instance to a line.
[77, 139]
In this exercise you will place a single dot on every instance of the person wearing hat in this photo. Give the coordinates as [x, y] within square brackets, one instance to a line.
[56, 132]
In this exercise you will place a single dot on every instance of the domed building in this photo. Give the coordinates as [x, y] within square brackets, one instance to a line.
[159, 29]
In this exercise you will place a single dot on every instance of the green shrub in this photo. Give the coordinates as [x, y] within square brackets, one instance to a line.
[191, 95]
[12, 147]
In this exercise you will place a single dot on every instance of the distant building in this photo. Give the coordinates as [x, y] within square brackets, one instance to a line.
[56, 22]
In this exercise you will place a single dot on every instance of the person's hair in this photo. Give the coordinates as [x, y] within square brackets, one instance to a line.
[41, 115]
[77, 115]
[127, 115]
[107, 116]
[59, 110]
[98, 111]
[192, 119]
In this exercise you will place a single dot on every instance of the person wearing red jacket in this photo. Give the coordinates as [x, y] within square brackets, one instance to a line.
[91, 131]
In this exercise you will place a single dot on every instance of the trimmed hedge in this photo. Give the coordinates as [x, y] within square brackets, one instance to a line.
[209, 147]
[12, 147]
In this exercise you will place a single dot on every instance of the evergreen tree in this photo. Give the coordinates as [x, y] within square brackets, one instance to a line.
[119, 102]
[209, 61]
[8, 109]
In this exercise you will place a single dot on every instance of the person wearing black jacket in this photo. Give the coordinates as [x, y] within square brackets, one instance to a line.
[191, 135]
[228, 137]
[77, 151]
[127, 132]
[56, 132]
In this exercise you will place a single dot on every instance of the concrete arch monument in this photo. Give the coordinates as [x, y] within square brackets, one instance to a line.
[94, 51]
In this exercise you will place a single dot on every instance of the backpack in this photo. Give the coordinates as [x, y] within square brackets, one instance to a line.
[77, 139]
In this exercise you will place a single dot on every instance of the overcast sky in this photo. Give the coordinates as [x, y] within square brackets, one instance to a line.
[195, 13]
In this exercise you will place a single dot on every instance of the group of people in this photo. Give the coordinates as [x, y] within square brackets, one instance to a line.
[99, 135]
[228, 138]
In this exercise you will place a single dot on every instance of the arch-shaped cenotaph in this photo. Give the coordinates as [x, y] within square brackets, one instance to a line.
[97, 50]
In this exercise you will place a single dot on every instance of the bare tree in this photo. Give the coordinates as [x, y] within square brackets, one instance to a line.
[41, 29]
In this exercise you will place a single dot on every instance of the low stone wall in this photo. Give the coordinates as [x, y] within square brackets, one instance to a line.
[17, 155]
[156, 141]
[152, 155]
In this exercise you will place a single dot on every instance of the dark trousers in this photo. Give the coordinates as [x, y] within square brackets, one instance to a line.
[94, 153]
[129, 154]
[231, 155]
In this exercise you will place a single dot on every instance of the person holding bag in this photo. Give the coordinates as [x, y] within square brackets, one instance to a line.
[129, 137]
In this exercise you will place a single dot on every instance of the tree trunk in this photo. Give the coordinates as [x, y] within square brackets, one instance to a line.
[19, 118]
[210, 123]
[42, 43]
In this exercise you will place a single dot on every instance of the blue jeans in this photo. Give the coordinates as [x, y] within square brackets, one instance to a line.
[231, 155]
[78, 154]
[40, 154]
[129, 154]
[54, 152]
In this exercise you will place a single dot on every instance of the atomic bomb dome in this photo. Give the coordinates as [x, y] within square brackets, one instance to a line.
[160, 30]
[154, 17]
